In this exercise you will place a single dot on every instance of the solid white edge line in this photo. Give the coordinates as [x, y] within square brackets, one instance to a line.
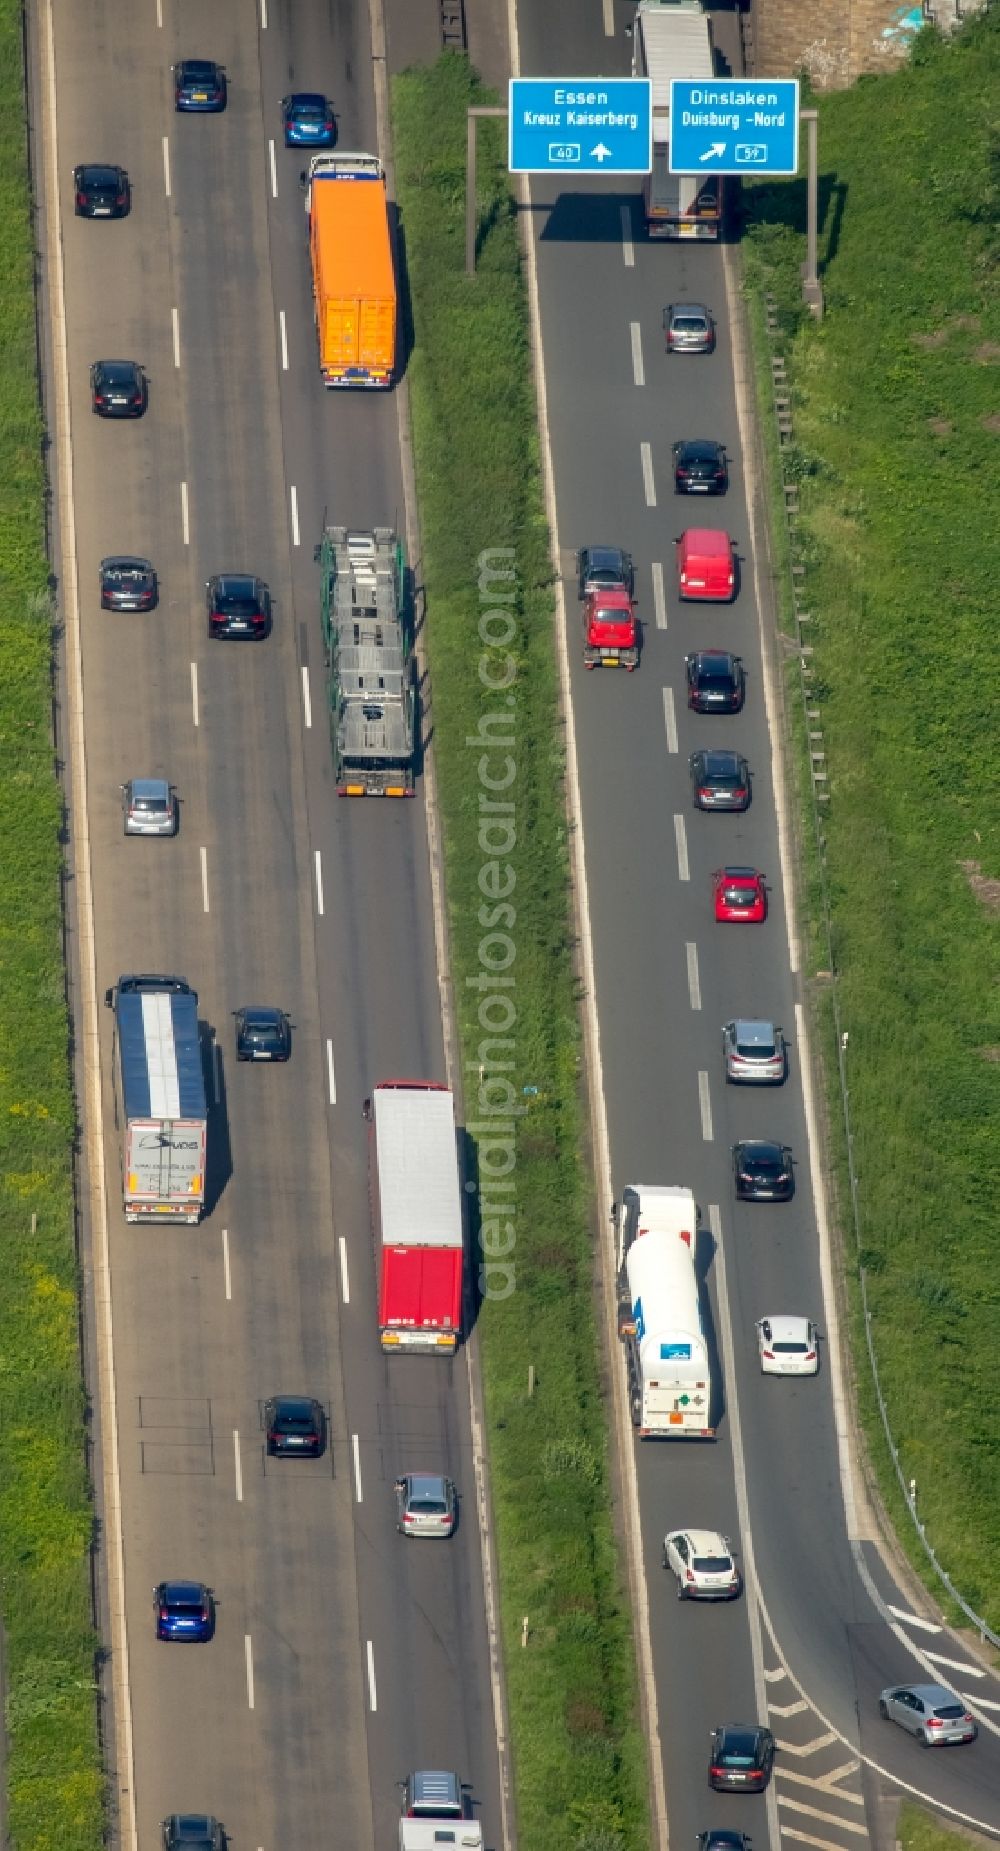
[331, 1080]
[166, 165]
[283, 335]
[680, 837]
[274, 168]
[649, 486]
[306, 697]
[751, 1591]
[194, 691]
[83, 890]
[670, 719]
[628, 246]
[319, 882]
[356, 1460]
[226, 1274]
[293, 497]
[185, 517]
[659, 596]
[345, 1283]
[248, 1651]
[175, 329]
[203, 856]
[705, 1107]
[239, 1467]
[694, 979]
[638, 370]
[370, 1655]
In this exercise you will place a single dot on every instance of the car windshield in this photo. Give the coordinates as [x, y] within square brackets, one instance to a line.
[712, 1564]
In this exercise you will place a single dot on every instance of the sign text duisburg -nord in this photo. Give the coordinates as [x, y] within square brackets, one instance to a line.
[734, 125]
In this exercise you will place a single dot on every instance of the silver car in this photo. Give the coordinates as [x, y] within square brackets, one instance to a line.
[928, 1711]
[426, 1504]
[754, 1051]
[149, 807]
[688, 328]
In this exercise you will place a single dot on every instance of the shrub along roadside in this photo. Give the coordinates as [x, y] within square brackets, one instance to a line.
[580, 1773]
[53, 1767]
[895, 421]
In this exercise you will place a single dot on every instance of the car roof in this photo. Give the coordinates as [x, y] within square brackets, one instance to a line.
[308, 99]
[701, 446]
[97, 171]
[718, 758]
[689, 308]
[715, 658]
[740, 874]
[294, 1404]
[931, 1694]
[262, 1014]
[753, 1030]
[126, 562]
[706, 540]
[706, 1542]
[183, 1590]
[734, 1733]
[787, 1328]
[151, 787]
[435, 1784]
[428, 1484]
[193, 1824]
[603, 555]
[762, 1149]
[239, 582]
[197, 67]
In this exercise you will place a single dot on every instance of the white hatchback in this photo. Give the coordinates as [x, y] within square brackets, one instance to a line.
[788, 1346]
[704, 1565]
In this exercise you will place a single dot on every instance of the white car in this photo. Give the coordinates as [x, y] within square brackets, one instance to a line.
[704, 1565]
[788, 1346]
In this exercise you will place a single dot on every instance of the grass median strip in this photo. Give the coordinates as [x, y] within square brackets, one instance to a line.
[897, 458]
[54, 1779]
[580, 1775]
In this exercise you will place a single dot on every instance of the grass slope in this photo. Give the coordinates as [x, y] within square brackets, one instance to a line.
[898, 453]
[54, 1780]
[579, 1756]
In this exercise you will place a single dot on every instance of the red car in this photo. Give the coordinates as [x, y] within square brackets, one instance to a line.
[740, 896]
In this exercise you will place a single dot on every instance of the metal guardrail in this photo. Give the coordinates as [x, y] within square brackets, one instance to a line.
[782, 405]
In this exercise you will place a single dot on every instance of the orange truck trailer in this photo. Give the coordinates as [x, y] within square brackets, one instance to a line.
[354, 284]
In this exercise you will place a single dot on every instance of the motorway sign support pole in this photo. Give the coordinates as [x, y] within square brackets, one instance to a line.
[812, 288]
[477, 110]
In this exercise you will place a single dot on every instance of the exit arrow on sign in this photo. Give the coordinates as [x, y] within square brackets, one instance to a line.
[713, 153]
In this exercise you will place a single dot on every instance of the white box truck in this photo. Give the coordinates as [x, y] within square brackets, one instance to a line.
[673, 38]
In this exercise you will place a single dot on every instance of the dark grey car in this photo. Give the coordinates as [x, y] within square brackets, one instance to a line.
[604, 568]
[193, 1831]
[719, 780]
[128, 583]
[700, 467]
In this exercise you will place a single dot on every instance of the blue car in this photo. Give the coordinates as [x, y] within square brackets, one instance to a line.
[184, 1610]
[308, 121]
[199, 86]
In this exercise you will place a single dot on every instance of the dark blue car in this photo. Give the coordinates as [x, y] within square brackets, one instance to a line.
[308, 121]
[199, 86]
[184, 1610]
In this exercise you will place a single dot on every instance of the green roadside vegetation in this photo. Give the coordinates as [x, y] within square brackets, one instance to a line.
[579, 1757]
[55, 1784]
[916, 1830]
[897, 455]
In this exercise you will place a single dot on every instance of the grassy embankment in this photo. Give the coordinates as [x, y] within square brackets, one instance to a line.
[579, 1755]
[54, 1779]
[897, 447]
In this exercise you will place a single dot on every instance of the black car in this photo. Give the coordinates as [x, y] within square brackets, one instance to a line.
[724, 1841]
[118, 389]
[716, 681]
[239, 604]
[193, 1831]
[128, 584]
[101, 192]
[719, 780]
[742, 1758]
[604, 568]
[294, 1424]
[263, 1034]
[763, 1171]
[700, 467]
[199, 86]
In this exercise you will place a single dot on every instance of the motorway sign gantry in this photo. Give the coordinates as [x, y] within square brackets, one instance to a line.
[734, 125]
[580, 125]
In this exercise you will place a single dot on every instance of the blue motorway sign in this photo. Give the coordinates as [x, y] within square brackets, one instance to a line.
[734, 125]
[580, 125]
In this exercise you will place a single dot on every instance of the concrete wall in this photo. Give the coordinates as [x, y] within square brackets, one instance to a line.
[837, 40]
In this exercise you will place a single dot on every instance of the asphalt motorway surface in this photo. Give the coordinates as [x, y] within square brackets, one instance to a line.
[344, 1657]
[667, 978]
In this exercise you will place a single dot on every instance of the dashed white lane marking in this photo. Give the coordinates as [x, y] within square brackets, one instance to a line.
[694, 980]
[828, 1818]
[263, 15]
[239, 1467]
[331, 1078]
[166, 165]
[806, 1838]
[293, 496]
[705, 1104]
[203, 852]
[274, 169]
[306, 698]
[646, 453]
[913, 1619]
[680, 837]
[185, 520]
[628, 248]
[226, 1274]
[159, 13]
[638, 370]
[345, 1283]
[659, 597]
[356, 1457]
[175, 328]
[670, 719]
[808, 1748]
[283, 334]
[787, 1709]
[194, 691]
[609, 18]
[248, 1650]
[319, 883]
[956, 1664]
[828, 1783]
[371, 1675]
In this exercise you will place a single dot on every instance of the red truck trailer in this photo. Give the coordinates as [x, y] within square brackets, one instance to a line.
[416, 1216]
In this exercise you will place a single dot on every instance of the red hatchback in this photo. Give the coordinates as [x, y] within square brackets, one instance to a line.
[740, 896]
